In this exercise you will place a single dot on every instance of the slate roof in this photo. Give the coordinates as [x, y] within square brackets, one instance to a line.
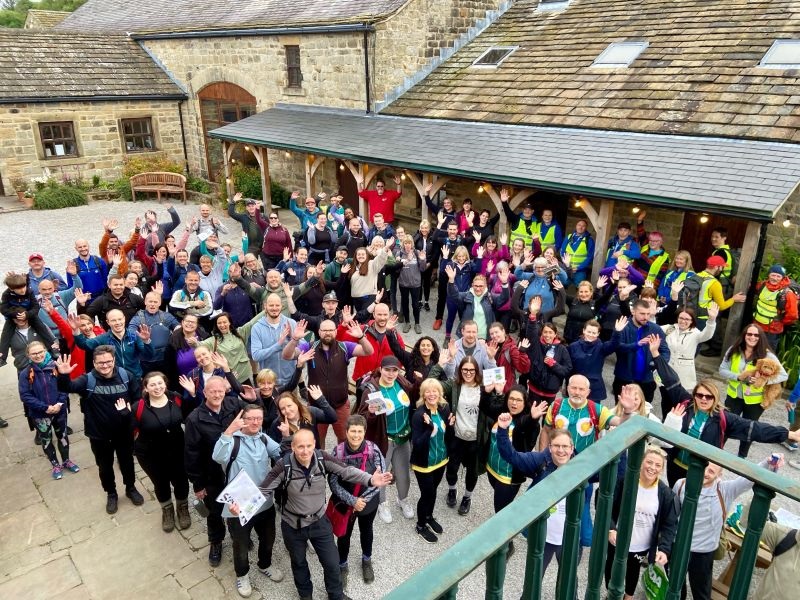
[144, 16]
[44, 19]
[699, 74]
[47, 65]
[747, 179]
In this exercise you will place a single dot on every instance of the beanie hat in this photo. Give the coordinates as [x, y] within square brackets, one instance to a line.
[777, 269]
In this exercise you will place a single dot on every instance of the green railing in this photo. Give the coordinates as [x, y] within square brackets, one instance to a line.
[488, 543]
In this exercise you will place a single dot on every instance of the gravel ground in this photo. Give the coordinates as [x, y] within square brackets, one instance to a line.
[398, 552]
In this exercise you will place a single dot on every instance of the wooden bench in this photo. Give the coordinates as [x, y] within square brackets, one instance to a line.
[721, 587]
[159, 182]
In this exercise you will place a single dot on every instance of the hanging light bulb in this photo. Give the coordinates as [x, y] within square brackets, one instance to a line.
[402, 176]
[577, 202]
[247, 147]
[636, 210]
[480, 189]
[787, 221]
[704, 218]
[287, 154]
[233, 160]
[341, 167]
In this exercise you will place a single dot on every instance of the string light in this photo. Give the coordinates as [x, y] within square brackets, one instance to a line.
[402, 176]
[577, 202]
[704, 218]
[233, 160]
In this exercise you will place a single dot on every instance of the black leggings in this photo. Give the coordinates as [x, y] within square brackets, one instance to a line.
[753, 412]
[428, 484]
[427, 275]
[165, 469]
[414, 292]
[504, 493]
[632, 568]
[700, 572]
[441, 298]
[47, 427]
[463, 452]
[365, 523]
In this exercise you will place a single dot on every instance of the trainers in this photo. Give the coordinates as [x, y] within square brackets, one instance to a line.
[384, 512]
[426, 306]
[405, 506]
[71, 466]
[790, 446]
[434, 524]
[134, 495]
[366, 571]
[463, 509]
[243, 586]
[451, 498]
[426, 534]
[406, 327]
[437, 324]
[215, 554]
[57, 474]
[417, 328]
[111, 503]
[273, 573]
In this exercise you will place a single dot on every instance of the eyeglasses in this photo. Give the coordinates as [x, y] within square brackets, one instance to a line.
[102, 363]
[751, 335]
[466, 370]
[700, 396]
[561, 446]
[254, 419]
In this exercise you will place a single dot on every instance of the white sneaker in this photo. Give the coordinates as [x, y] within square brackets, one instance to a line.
[243, 586]
[384, 512]
[405, 506]
[790, 446]
[273, 572]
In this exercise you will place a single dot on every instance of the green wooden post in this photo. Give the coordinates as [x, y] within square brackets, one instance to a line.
[602, 522]
[679, 559]
[567, 582]
[496, 574]
[759, 508]
[449, 594]
[537, 535]
[616, 586]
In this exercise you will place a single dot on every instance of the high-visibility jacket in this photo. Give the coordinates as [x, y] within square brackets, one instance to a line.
[577, 254]
[524, 231]
[656, 265]
[767, 305]
[739, 389]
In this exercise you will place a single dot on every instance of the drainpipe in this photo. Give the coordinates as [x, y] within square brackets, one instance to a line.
[183, 138]
[367, 82]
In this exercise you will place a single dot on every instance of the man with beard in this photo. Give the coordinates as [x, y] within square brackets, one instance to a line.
[269, 336]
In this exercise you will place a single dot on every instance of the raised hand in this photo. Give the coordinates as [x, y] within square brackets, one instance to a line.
[504, 194]
[319, 269]
[524, 344]
[285, 333]
[121, 405]
[219, 359]
[144, 333]
[47, 305]
[480, 251]
[315, 392]
[426, 418]
[296, 195]
[299, 330]
[476, 235]
[287, 254]
[538, 410]
[158, 288]
[503, 238]
[445, 252]
[71, 268]
[601, 282]
[354, 330]
[557, 285]
[284, 428]
[628, 399]
[678, 410]
[236, 424]
[504, 420]
[346, 267]
[397, 179]
[713, 310]
[536, 305]
[654, 341]
[304, 357]
[440, 217]
[380, 479]
[450, 271]
[188, 384]
[390, 242]
[392, 322]
[491, 349]
[648, 284]
[524, 283]
[63, 366]
[621, 323]
[74, 322]
[451, 348]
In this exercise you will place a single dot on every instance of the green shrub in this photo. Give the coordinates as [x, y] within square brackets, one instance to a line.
[280, 195]
[197, 184]
[146, 163]
[60, 196]
[123, 186]
[247, 180]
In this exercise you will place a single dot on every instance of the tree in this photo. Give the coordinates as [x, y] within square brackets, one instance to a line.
[14, 12]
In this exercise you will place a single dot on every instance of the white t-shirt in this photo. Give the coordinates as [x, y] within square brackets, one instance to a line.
[467, 413]
[555, 522]
[644, 518]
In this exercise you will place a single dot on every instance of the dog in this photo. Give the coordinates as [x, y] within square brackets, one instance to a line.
[766, 369]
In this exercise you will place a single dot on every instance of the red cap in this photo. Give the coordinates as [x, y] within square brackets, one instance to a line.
[35, 256]
[715, 261]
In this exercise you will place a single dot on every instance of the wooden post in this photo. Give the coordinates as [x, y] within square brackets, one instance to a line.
[263, 163]
[743, 279]
[436, 181]
[603, 227]
[312, 165]
[227, 150]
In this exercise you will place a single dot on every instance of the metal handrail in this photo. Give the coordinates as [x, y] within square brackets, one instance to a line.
[488, 543]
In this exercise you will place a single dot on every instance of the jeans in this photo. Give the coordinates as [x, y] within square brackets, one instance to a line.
[414, 293]
[551, 550]
[428, 484]
[104, 450]
[504, 493]
[700, 572]
[264, 525]
[320, 534]
[365, 523]
[466, 453]
[753, 412]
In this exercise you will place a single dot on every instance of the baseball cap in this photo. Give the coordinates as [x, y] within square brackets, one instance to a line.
[528, 205]
[390, 362]
[715, 261]
[35, 256]
[250, 201]
[342, 249]
[330, 297]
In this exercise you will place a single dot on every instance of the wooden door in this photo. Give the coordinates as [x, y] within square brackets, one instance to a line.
[696, 236]
[348, 188]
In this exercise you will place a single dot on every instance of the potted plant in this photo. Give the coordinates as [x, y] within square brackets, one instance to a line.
[20, 186]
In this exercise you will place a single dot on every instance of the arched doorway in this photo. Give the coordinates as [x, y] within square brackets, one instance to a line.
[222, 103]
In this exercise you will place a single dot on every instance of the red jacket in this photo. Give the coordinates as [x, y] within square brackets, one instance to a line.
[513, 360]
[367, 364]
[788, 316]
[275, 240]
[77, 356]
[383, 203]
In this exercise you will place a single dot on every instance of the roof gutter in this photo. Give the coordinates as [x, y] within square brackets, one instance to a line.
[96, 98]
[586, 190]
[255, 32]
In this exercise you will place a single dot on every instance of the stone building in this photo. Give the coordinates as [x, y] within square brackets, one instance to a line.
[44, 19]
[74, 105]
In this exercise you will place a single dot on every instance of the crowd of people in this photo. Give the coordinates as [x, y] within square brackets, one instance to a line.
[205, 362]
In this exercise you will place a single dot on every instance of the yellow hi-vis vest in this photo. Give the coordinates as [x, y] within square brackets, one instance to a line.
[767, 306]
[578, 254]
[704, 297]
[549, 238]
[524, 231]
[739, 389]
[657, 263]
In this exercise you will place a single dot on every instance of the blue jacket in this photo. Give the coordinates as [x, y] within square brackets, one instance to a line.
[61, 301]
[129, 351]
[572, 241]
[387, 232]
[38, 390]
[634, 361]
[93, 274]
[47, 273]
[266, 350]
[629, 246]
[253, 458]
[466, 304]
[538, 286]
[588, 359]
[161, 325]
[306, 218]
[237, 304]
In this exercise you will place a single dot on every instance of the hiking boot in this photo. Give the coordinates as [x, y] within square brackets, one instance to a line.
[167, 517]
[70, 466]
[243, 586]
[133, 494]
[215, 554]
[463, 509]
[446, 340]
[451, 498]
[37, 438]
[406, 327]
[69, 430]
[401, 319]
[426, 306]
[417, 328]
[434, 524]
[182, 512]
[790, 446]
[111, 503]
[426, 534]
[366, 571]
[437, 324]
[405, 506]
[3, 423]
[384, 512]
[273, 573]
[343, 573]
[57, 473]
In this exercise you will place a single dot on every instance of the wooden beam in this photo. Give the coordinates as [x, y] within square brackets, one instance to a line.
[435, 181]
[312, 164]
[227, 150]
[736, 316]
[266, 183]
[603, 228]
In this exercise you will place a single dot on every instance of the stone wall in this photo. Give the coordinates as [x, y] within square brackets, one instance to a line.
[409, 39]
[97, 130]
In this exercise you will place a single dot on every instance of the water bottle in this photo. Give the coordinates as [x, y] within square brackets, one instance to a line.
[200, 507]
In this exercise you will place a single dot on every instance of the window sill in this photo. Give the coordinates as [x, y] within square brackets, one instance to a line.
[293, 91]
[63, 161]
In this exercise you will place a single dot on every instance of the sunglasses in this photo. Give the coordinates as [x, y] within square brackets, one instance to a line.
[751, 335]
[467, 370]
[700, 396]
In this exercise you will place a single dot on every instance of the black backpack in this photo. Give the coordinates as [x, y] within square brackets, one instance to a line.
[690, 294]
[281, 495]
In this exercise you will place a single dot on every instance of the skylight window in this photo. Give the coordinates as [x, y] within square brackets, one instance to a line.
[783, 54]
[551, 5]
[619, 54]
[494, 56]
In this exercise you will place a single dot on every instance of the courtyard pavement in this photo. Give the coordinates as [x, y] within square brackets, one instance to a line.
[56, 541]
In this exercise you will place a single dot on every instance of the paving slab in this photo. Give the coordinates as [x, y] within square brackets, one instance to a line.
[32, 526]
[127, 558]
[45, 582]
[77, 501]
[18, 489]
[166, 588]
[193, 573]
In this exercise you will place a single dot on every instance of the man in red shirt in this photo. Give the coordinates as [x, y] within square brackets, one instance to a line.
[381, 200]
